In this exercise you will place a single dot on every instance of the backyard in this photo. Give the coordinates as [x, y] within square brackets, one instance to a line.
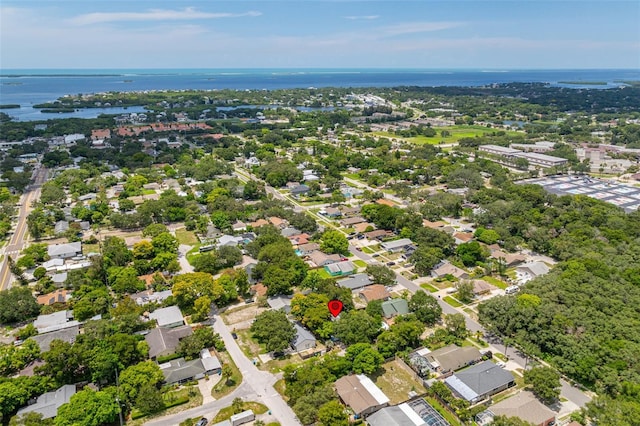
[396, 382]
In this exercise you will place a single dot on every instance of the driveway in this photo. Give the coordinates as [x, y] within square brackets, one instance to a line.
[185, 266]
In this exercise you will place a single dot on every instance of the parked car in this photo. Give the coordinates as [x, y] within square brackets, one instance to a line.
[391, 263]
[234, 335]
[202, 422]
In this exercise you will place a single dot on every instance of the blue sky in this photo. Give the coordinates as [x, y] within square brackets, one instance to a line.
[319, 34]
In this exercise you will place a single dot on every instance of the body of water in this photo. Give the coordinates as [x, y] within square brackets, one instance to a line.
[29, 87]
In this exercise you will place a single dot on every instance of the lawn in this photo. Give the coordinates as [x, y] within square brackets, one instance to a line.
[429, 287]
[90, 248]
[249, 346]
[396, 382]
[227, 412]
[226, 387]
[455, 134]
[186, 237]
[360, 263]
[148, 191]
[496, 282]
[453, 302]
[323, 273]
[176, 400]
[280, 386]
[368, 250]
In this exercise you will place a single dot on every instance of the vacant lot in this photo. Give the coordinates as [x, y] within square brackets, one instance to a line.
[242, 314]
[396, 382]
[186, 237]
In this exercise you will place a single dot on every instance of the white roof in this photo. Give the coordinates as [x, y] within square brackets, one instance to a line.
[415, 418]
[167, 316]
[374, 390]
[397, 243]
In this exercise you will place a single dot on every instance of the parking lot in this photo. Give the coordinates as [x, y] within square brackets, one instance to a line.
[624, 196]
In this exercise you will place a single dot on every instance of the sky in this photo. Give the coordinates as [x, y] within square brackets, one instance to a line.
[134, 34]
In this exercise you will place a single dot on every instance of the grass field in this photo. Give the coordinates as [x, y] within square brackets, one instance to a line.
[496, 282]
[368, 250]
[360, 263]
[453, 302]
[90, 248]
[455, 134]
[226, 387]
[429, 287]
[227, 412]
[396, 383]
[186, 237]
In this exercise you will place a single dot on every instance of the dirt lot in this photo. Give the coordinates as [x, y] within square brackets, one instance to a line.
[396, 383]
[242, 314]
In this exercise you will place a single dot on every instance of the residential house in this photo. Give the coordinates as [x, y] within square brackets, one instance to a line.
[362, 227]
[280, 303]
[445, 268]
[452, 358]
[433, 225]
[59, 279]
[58, 296]
[53, 264]
[530, 270]
[524, 405]
[355, 282]
[68, 335]
[168, 317]
[290, 232]
[65, 251]
[278, 222]
[299, 239]
[412, 413]
[323, 259]
[510, 259]
[210, 362]
[55, 321]
[229, 240]
[480, 381]
[397, 246]
[181, 371]
[308, 248]
[360, 394]
[249, 270]
[462, 237]
[394, 307]
[164, 341]
[303, 340]
[374, 292]
[61, 227]
[300, 190]
[258, 223]
[340, 268]
[481, 287]
[332, 212]
[48, 403]
[239, 226]
[351, 221]
[378, 234]
[350, 211]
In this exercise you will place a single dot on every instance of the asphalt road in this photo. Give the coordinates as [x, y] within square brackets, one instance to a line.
[257, 385]
[16, 243]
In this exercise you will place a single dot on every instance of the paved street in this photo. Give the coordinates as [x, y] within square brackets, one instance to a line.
[16, 243]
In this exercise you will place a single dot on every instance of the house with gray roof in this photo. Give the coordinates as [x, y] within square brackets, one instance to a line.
[60, 227]
[355, 282]
[394, 307]
[396, 415]
[48, 403]
[480, 381]
[280, 303]
[181, 371]
[452, 358]
[167, 317]
[303, 340]
[65, 251]
[397, 245]
[340, 268]
[55, 321]
[164, 341]
[68, 335]
[323, 259]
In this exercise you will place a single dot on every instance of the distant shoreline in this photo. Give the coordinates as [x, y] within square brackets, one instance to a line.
[586, 83]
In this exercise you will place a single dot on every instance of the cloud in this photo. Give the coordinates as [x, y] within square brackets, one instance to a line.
[188, 13]
[362, 17]
[419, 27]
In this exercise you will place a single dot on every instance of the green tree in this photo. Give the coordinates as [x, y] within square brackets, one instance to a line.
[487, 236]
[154, 230]
[134, 378]
[334, 242]
[237, 405]
[456, 325]
[356, 327]
[89, 408]
[381, 274]
[545, 383]
[17, 304]
[149, 399]
[425, 307]
[333, 413]
[509, 421]
[125, 280]
[115, 252]
[465, 291]
[189, 287]
[273, 329]
[201, 308]
[30, 419]
[165, 242]
[471, 253]
[425, 258]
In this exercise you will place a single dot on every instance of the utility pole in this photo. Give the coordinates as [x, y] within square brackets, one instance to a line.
[118, 398]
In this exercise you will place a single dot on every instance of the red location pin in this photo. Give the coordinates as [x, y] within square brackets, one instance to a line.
[335, 307]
